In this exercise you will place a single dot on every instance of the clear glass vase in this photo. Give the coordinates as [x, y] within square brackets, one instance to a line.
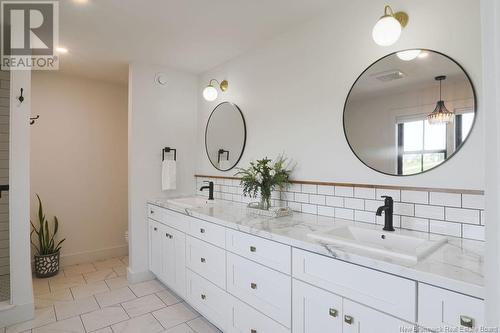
[265, 202]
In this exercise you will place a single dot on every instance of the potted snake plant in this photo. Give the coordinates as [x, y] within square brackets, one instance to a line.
[43, 239]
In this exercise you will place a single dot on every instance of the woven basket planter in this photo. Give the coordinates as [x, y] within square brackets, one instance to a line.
[46, 265]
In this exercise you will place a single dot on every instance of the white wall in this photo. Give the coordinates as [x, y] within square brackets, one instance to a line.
[490, 15]
[292, 89]
[19, 195]
[159, 116]
[79, 162]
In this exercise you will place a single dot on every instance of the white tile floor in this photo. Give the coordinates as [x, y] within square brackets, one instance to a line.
[96, 297]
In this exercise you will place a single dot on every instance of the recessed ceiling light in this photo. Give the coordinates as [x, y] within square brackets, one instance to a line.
[62, 50]
[81, 1]
[423, 54]
[408, 55]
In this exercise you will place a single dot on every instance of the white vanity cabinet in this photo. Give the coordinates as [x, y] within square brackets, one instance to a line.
[243, 283]
[438, 308]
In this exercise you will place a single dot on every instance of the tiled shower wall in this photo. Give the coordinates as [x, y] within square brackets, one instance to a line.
[451, 214]
[4, 170]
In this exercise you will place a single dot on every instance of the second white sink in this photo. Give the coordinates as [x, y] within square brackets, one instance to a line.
[389, 244]
[190, 202]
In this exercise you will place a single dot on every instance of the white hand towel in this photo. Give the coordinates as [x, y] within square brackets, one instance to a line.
[168, 175]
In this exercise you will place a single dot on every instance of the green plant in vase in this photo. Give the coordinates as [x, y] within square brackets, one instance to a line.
[45, 244]
[263, 177]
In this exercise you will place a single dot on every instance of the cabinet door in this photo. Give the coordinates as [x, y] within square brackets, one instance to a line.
[155, 248]
[174, 260]
[315, 310]
[358, 318]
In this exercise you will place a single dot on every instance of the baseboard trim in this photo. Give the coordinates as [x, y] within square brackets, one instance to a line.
[90, 256]
[16, 314]
[136, 277]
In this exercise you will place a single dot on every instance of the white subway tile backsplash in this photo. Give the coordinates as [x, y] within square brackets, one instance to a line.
[326, 211]
[302, 197]
[473, 201]
[288, 196]
[414, 223]
[420, 197]
[373, 205]
[363, 216]
[343, 213]
[395, 194]
[446, 228]
[404, 208]
[354, 203]
[317, 199]
[344, 191]
[450, 214]
[473, 231]
[427, 211]
[364, 193]
[326, 190]
[309, 209]
[307, 188]
[446, 199]
[335, 201]
[462, 215]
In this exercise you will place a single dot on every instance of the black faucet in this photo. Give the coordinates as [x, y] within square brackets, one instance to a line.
[210, 189]
[387, 208]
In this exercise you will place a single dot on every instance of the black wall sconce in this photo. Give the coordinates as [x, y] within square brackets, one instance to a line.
[21, 98]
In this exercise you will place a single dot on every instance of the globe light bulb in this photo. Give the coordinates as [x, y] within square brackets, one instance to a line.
[408, 55]
[210, 93]
[386, 31]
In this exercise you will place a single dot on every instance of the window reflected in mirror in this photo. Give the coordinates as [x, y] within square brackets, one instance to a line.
[405, 117]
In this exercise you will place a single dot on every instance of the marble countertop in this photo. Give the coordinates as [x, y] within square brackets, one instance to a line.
[457, 265]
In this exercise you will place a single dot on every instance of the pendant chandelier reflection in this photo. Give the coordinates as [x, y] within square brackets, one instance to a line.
[440, 115]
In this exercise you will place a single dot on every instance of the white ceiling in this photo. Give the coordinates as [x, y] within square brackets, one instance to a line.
[104, 36]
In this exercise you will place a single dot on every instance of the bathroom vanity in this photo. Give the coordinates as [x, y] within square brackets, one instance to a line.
[254, 274]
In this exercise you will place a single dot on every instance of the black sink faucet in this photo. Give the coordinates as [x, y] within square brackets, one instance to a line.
[210, 187]
[387, 208]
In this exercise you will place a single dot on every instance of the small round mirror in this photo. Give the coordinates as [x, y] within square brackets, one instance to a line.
[225, 136]
[409, 112]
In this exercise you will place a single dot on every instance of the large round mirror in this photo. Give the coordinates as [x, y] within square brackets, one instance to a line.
[225, 136]
[409, 112]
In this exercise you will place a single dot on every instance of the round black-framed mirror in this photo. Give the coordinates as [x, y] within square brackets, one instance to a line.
[409, 112]
[225, 136]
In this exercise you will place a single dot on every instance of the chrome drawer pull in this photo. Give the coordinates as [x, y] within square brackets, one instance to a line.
[203, 296]
[466, 321]
[253, 249]
[253, 285]
[348, 319]
[202, 230]
[203, 260]
[333, 312]
[253, 331]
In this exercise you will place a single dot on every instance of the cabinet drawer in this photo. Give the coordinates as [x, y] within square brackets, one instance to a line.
[315, 310]
[263, 288]
[439, 307]
[382, 291]
[212, 302]
[358, 318]
[168, 217]
[207, 260]
[209, 232]
[263, 251]
[248, 320]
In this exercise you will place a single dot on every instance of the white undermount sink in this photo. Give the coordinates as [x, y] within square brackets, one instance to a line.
[191, 202]
[386, 243]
